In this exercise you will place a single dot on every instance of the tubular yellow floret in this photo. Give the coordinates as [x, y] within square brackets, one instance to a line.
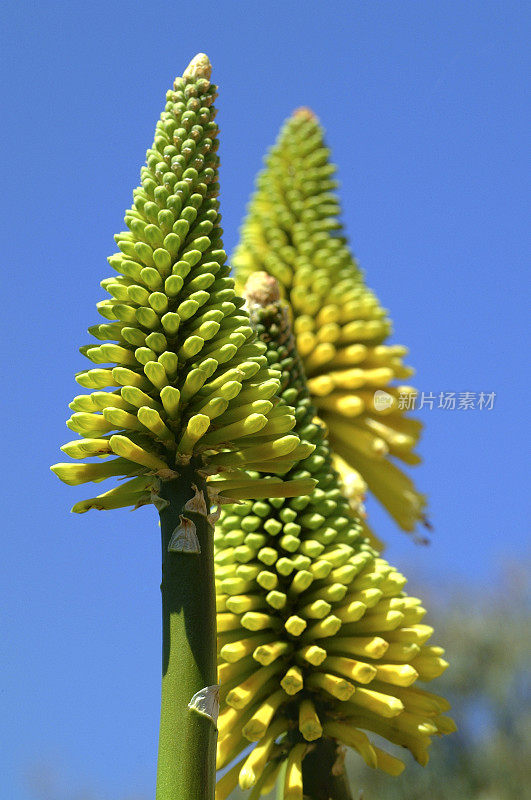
[354, 738]
[228, 782]
[259, 722]
[293, 789]
[309, 724]
[257, 760]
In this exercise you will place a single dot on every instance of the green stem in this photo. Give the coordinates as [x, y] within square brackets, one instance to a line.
[318, 781]
[187, 740]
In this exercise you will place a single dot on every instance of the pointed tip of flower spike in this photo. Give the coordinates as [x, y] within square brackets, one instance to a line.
[199, 67]
[305, 113]
[261, 289]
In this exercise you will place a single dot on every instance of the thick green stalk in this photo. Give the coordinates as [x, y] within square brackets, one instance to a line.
[319, 781]
[187, 742]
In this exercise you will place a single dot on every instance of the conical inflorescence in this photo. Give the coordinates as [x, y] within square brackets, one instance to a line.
[178, 376]
[294, 233]
[318, 643]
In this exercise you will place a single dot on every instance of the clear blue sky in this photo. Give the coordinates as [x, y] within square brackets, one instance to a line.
[426, 114]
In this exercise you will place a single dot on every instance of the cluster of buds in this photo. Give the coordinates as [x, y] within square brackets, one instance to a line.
[316, 637]
[319, 645]
[293, 232]
[178, 377]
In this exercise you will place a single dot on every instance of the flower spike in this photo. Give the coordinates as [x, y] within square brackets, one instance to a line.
[318, 642]
[179, 392]
[177, 375]
[293, 232]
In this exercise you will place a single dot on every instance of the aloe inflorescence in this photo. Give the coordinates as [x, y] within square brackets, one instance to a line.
[294, 233]
[318, 643]
[179, 377]
[180, 390]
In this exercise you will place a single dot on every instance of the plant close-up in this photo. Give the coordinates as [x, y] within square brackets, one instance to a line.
[319, 645]
[197, 399]
[180, 391]
[264, 536]
[293, 232]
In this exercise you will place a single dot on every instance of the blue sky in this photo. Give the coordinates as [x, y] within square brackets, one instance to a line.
[425, 112]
